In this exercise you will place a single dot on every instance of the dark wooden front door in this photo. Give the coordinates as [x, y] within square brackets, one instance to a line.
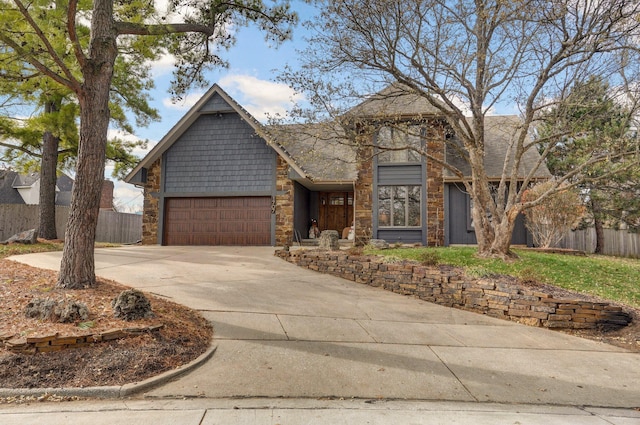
[336, 211]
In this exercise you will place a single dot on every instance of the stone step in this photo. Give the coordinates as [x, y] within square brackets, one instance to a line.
[316, 242]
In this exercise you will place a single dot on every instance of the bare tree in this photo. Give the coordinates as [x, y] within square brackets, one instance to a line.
[550, 220]
[464, 58]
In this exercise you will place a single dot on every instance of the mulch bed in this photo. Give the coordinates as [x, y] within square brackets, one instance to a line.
[185, 335]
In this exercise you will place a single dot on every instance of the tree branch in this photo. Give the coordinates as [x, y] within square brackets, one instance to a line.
[71, 84]
[73, 35]
[20, 148]
[70, 79]
[142, 29]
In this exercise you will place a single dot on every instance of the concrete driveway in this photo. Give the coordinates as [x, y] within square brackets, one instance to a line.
[283, 331]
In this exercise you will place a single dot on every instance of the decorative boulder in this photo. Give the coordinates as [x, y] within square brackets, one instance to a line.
[329, 240]
[131, 305]
[379, 244]
[62, 311]
[26, 237]
[42, 309]
[72, 312]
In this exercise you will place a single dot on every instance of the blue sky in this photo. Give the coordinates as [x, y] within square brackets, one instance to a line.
[250, 79]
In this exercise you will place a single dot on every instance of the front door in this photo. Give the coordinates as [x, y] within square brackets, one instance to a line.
[336, 211]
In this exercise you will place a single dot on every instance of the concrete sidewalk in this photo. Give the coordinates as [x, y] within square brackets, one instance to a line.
[285, 332]
[305, 411]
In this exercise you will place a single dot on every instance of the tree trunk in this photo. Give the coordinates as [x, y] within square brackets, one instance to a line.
[494, 233]
[77, 269]
[599, 235]
[597, 222]
[599, 226]
[501, 247]
[48, 167]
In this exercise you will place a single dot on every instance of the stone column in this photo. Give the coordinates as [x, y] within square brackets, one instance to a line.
[435, 187]
[363, 199]
[284, 204]
[150, 215]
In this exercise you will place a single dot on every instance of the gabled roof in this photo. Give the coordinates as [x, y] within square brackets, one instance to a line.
[394, 101]
[9, 195]
[319, 149]
[25, 180]
[326, 156]
[11, 181]
[319, 153]
[500, 132]
[209, 105]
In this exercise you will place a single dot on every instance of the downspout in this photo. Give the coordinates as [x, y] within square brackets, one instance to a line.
[354, 214]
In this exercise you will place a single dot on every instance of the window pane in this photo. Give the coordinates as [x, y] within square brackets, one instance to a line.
[399, 205]
[414, 141]
[336, 200]
[399, 138]
[414, 206]
[384, 206]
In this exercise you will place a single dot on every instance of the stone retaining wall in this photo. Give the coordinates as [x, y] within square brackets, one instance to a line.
[56, 342]
[449, 286]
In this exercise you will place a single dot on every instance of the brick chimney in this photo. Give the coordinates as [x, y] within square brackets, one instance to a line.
[106, 199]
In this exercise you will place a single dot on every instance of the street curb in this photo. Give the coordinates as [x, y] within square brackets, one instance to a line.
[113, 391]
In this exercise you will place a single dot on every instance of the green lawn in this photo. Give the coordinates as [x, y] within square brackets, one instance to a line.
[612, 278]
[17, 249]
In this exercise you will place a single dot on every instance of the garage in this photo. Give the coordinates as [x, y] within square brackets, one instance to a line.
[237, 221]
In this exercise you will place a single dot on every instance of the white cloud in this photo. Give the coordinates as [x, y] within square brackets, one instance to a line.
[163, 66]
[127, 197]
[259, 97]
[113, 133]
[187, 102]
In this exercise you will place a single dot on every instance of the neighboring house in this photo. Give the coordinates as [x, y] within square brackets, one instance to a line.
[219, 177]
[18, 188]
[106, 197]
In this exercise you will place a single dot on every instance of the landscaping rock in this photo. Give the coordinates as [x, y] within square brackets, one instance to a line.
[379, 244]
[72, 312]
[42, 309]
[57, 311]
[26, 237]
[131, 305]
[329, 240]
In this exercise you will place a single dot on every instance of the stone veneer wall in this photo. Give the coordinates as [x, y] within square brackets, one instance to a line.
[449, 286]
[363, 196]
[151, 213]
[435, 188]
[284, 204]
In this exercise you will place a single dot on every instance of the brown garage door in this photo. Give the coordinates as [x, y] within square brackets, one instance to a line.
[217, 221]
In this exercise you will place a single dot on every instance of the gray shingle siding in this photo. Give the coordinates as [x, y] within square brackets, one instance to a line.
[219, 153]
[459, 231]
[400, 235]
[301, 217]
[9, 195]
[216, 104]
[400, 175]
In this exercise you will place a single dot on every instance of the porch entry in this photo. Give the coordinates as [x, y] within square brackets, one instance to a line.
[335, 211]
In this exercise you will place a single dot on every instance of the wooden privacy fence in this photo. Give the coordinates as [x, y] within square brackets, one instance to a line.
[112, 226]
[620, 243]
